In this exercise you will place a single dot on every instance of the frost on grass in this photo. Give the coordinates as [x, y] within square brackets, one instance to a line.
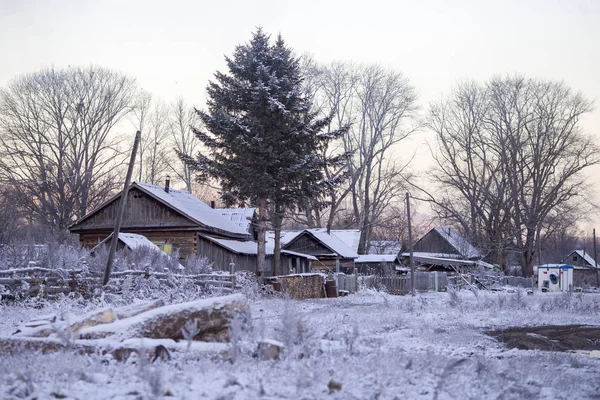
[362, 346]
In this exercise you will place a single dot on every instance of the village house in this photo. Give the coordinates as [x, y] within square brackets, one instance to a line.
[170, 219]
[586, 272]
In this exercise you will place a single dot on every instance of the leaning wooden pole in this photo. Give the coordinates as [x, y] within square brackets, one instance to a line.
[115, 234]
[410, 246]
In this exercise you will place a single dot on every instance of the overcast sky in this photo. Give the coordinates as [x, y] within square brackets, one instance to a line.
[173, 47]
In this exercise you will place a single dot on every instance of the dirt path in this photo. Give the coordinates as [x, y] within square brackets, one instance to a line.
[550, 338]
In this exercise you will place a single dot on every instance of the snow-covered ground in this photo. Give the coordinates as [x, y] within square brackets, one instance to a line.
[365, 346]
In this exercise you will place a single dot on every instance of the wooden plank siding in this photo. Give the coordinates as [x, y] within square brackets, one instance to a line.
[433, 242]
[307, 244]
[222, 257]
[142, 211]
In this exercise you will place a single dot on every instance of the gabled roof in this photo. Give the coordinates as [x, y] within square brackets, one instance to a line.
[583, 254]
[191, 207]
[184, 203]
[250, 247]
[349, 237]
[242, 217]
[330, 241]
[458, 242]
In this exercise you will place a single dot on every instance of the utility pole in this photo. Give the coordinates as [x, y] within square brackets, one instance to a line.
[596, 261]
[122, 205]
[410, 247]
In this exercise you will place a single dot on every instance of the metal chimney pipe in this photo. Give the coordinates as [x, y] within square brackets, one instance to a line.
[212, 204]
[167, 183]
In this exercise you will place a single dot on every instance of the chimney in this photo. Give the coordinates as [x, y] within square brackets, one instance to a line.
[212, 204]
[167, 182]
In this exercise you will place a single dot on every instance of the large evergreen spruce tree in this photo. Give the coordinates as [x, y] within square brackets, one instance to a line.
[263, 140]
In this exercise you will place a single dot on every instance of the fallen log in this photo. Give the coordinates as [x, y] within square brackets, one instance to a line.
[212, 317]
[52, 327]
[136, 309]
[120, 351]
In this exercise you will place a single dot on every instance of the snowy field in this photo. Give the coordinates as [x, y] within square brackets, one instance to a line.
[365, 346]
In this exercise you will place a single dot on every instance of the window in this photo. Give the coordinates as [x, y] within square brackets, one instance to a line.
[574, 258]
[166, 247]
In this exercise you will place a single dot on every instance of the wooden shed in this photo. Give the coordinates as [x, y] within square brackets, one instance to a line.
[243, 253]
[170, 219]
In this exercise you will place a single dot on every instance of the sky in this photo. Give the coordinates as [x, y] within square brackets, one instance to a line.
[173, 48]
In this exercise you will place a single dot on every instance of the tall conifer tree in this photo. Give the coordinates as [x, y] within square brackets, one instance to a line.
[262, 139]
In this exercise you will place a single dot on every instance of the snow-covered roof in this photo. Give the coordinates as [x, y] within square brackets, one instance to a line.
[239, 216]
[286, 236]
[250, 247]
[133, 240]
[192, 207]
[333, 243]
[457, 241]
[341, 241]
[445, 259]
[585, 255]
[350, 237]
[374, 258]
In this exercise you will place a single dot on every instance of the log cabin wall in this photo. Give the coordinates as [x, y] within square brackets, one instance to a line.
[184, 241]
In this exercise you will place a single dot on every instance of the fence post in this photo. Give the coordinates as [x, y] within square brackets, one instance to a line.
[232, 272]
[355, 280]
[436, 280]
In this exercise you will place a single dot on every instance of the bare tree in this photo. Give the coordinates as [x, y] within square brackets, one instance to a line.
[511, 156]
[386, 115]
[57, 150]
[379, 106]
[184, 141]
[157, 153]
[140, 118]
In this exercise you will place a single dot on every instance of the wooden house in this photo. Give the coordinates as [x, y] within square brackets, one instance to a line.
[334, 251]
[170, 219]
[586, 272]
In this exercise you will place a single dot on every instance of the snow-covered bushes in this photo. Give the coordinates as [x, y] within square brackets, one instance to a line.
[52, 256]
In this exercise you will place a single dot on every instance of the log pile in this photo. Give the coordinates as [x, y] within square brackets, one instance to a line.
[143, 326]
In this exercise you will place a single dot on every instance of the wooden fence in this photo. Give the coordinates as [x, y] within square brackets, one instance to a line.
[424, 281]
[22, 283]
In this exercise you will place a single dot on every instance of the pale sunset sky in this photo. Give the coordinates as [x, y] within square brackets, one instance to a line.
[173, 47]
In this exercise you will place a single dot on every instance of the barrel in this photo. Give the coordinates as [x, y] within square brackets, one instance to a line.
[331, 289]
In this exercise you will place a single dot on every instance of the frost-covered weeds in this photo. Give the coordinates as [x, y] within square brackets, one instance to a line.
[362, 346]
